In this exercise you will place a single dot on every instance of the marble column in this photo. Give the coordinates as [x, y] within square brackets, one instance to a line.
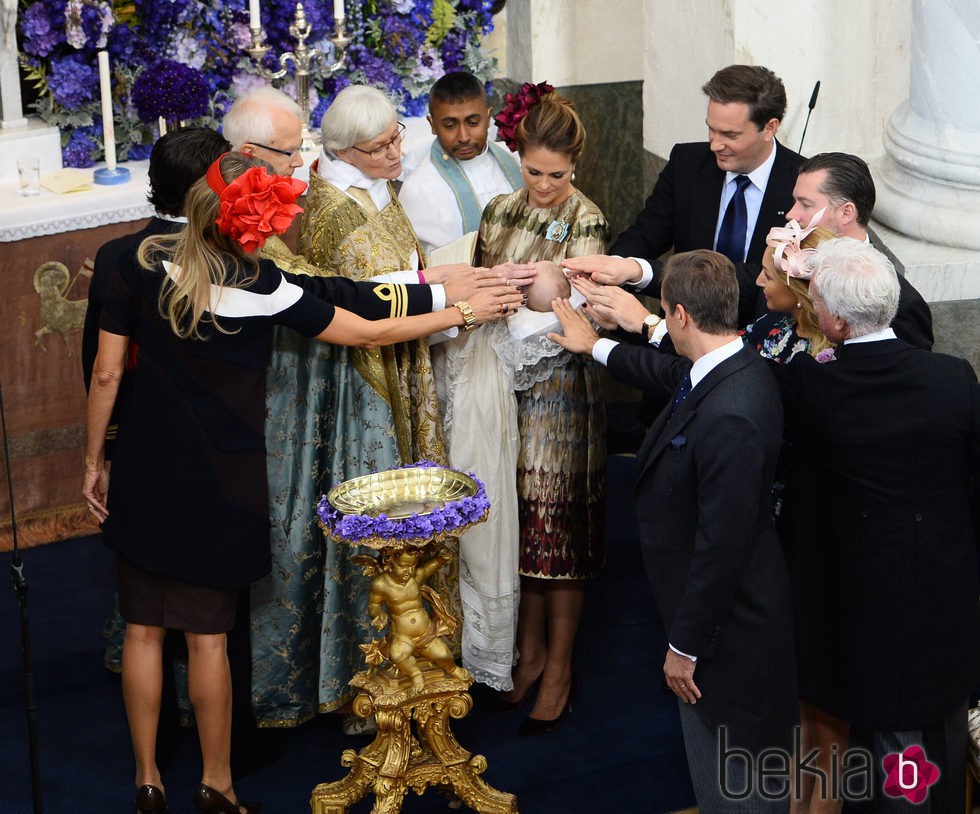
[11, 110]
[929, 181]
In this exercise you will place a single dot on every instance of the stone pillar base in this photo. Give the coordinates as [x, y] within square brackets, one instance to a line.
[948, 278]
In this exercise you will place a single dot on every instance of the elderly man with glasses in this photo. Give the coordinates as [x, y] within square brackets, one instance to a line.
[333, 414]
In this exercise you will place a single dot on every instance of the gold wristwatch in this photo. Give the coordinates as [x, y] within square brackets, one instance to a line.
[469, 318]
[649, 323]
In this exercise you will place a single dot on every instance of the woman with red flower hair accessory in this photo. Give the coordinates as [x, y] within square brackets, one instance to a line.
[187, 513]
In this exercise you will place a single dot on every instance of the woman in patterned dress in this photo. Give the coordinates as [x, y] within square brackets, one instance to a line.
[561, 416]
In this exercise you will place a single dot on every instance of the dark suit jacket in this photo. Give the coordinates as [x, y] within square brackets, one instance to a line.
[121, 250]
[682, 213]
[891, 437]
[913, 320]
[363, 298]
[711, 553]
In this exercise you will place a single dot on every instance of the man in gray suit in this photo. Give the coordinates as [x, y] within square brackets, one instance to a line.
[705, 472]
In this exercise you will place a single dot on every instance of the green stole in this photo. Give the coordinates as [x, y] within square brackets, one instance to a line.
[466, 200]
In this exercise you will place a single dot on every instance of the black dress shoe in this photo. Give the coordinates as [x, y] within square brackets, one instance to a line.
[500, 704]
[150, 800]
[207, 799]
[541, 726]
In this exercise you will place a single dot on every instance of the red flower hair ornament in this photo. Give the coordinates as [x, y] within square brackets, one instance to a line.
[516, 107]
[256, 205]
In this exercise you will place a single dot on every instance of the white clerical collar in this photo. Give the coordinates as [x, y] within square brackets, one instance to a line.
[172, 218]
[703, 366]
[875, 336]
[760, 175]
[344, 175]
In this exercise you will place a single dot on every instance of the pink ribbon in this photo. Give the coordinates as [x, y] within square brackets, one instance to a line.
[788, 256]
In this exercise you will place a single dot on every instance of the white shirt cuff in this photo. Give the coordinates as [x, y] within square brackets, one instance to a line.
[658, 334]
[681, 653]
[646, 275]
[602, 348]
[402, 277]
[438, 296]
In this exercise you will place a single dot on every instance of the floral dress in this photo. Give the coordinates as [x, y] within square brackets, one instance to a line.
[774, 336]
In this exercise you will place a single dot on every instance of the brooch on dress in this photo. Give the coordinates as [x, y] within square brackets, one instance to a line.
[557, 231]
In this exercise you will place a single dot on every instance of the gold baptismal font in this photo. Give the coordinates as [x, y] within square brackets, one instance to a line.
[412, 684]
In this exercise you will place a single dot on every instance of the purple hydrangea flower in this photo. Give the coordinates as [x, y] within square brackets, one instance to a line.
[41, 36]
[140, 152]
[72, 81]
[81, 148]
[172, 91]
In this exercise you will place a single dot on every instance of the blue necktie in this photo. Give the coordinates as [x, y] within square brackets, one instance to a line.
[682, 392]
[731, 236]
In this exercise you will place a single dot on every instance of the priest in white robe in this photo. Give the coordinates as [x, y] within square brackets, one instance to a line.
[445, 195]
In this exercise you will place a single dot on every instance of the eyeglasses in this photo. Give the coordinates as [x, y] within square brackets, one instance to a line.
[287, 153]
[377, 152]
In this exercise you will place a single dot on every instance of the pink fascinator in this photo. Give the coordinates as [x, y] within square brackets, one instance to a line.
[789, 257]
[516, 107]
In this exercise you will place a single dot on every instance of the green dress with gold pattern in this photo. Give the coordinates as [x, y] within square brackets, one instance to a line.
[561, 418]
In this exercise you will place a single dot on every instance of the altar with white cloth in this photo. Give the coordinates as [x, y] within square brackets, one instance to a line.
[47, 244]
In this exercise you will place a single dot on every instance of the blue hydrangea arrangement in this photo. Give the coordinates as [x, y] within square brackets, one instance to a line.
[400, 46]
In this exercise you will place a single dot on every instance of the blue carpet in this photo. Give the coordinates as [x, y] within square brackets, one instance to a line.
[620, 750]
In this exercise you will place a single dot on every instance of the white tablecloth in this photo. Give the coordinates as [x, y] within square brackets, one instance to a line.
[50, 214]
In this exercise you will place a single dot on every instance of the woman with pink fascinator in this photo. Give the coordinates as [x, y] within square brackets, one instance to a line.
[790, 327]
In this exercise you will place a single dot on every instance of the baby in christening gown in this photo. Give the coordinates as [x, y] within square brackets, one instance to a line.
[477, 376]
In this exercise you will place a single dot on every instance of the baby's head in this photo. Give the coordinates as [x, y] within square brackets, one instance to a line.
[549, 283]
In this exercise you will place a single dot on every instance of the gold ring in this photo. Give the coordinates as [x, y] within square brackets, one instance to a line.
[506, 308]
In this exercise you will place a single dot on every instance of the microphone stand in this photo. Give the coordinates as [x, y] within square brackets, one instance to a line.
[813, 104]
[20, 586]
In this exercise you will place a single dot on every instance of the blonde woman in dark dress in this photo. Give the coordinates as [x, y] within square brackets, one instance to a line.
[187, 513]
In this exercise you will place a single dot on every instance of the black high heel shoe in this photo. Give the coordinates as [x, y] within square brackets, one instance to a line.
[541, 726]
[150, 800]
[208, 799]
[500, 704]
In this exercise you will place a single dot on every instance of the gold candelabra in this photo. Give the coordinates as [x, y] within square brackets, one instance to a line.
[303, 58]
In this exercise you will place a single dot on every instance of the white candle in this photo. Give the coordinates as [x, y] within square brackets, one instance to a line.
[338, 9]
[253, 14]
[108, 130]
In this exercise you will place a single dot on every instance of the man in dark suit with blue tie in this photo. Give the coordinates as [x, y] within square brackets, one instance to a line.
[725, 193]
[705, 472]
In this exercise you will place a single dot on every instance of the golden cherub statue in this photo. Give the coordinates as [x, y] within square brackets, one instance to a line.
[397, 591]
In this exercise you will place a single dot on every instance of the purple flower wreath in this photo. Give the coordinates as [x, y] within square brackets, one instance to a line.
[452, 518]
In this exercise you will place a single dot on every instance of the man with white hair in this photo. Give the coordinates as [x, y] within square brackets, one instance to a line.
[891, 434]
